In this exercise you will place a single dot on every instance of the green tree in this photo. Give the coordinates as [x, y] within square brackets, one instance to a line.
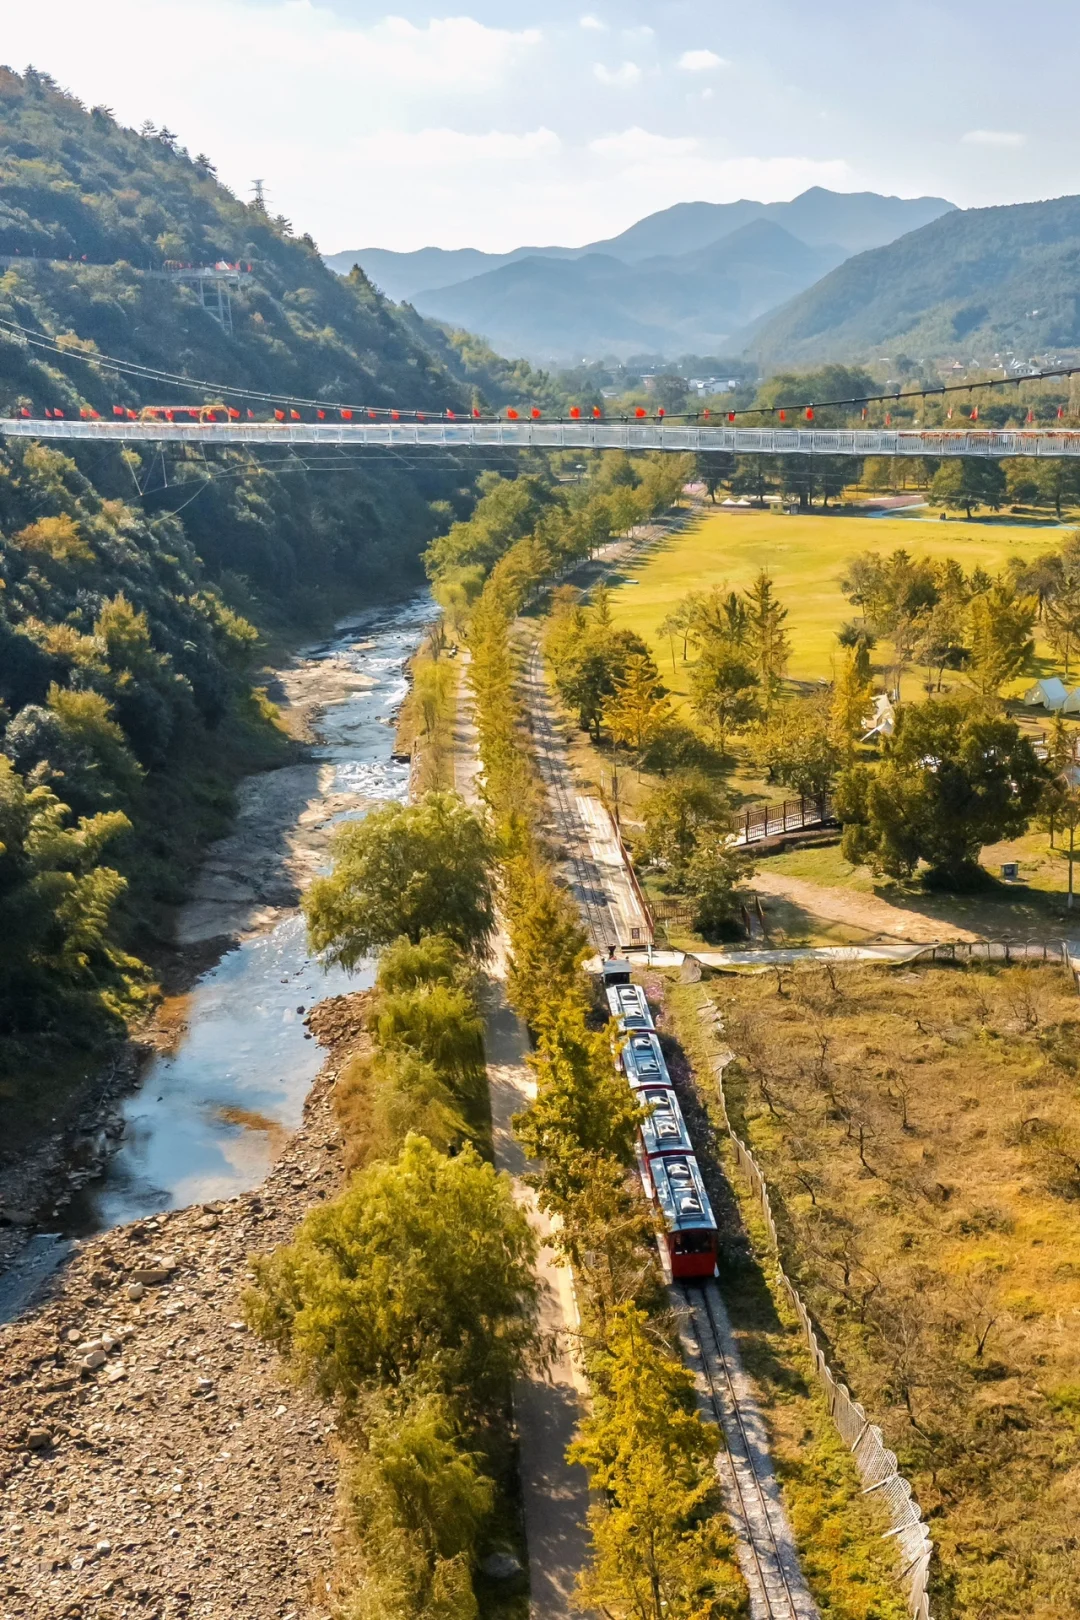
[1063, 619]
[767, 641]
[660, 1548]
[724, 687]
[963, 482]
[713, 468]
[796, 745]
[638, 708]
[1001, 644]
[952, 780]
[405, 869]
[712, 873]
[423, 1266]
[687, 807]
[547, 943]
[852, 697]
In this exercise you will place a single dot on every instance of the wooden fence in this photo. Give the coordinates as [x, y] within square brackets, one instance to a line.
[760, 821]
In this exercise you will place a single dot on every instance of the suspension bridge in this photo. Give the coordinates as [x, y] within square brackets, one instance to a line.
[562, 435]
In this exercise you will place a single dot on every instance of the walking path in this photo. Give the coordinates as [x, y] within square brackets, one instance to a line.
[547, 1405]
[859, 910]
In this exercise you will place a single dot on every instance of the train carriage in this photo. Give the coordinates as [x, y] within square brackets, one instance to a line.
[642, 1060]
[663, 1130]
[689, 1223]
[629, 1007]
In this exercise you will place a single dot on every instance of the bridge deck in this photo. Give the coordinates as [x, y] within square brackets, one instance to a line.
[564, 436]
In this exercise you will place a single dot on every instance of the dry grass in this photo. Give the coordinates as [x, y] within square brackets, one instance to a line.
[921, 1133]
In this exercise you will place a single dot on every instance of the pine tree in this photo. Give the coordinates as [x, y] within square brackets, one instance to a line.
[1001, 644]
[638, 709]
[768, 642]
[851, 698]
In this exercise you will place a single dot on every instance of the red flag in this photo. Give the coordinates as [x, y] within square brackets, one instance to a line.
[706, 413]
[295, 415]
[809, 413]
[251, 414]
[975, 414]
[58, 414]
[476, 410]
[1061, 412]
[25, 411]
[865, 413]
[83, 412]
[661, 412]
[170, 416]
[395, 416]
[234, 415]
[534, 413]
[597, 411]
[279, 416]
[888, 419]
[321, 415]
[346, 416]
[575, 413]
[948, 414]
[420, 417]
[48, 412]
[1030, 417]
[133, 416]
[641, 411]
[731, 416]
[118, 410]
[512, 414]
[450, 415]
[783, 416]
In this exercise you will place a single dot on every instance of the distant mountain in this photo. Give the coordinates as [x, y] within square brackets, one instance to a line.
[562, 309]
[971, 283]
[841, 222]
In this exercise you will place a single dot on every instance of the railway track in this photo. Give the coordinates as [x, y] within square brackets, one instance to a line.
[767, 1553]
[766, 1547]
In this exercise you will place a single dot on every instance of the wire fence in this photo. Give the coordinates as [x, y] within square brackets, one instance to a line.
[877, 1465]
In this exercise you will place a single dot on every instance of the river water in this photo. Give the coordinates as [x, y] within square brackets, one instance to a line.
[210, 1114]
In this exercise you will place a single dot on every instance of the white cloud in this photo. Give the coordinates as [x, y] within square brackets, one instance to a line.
[624, 76]
[640, 145]
[442, 149]
[993, 137]
[701, 61]
[589, 21]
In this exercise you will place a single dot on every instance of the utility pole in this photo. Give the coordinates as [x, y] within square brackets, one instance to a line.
[259, 200]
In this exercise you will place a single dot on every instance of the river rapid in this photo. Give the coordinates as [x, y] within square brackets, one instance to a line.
[214, 1108]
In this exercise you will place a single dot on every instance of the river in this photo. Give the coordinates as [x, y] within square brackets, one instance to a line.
[212, 1111]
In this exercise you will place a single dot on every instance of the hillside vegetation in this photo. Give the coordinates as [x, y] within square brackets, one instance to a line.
[135, 587]
[972, 282]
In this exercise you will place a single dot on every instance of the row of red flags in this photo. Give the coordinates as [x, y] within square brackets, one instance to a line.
[229, 413]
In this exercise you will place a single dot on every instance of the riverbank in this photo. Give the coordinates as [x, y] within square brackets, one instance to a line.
[153, 1455]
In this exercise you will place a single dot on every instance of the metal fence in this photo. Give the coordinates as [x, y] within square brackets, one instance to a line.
[993, 950]
[877, 1465]
[791, 815]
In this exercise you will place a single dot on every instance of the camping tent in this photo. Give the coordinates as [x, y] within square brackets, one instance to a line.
[1050, 694]
[1071, 704]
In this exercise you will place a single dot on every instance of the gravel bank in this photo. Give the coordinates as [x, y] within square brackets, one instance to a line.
[154, 1459]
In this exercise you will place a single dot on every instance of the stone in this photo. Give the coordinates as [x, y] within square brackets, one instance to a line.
[500, 1566]
[103, 1549]
[93, 1361]
[203, 1386]
[135, 1292]
[38, 1439]
[150, 1276]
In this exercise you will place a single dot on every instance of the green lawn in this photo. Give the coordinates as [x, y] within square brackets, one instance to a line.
[806, 558]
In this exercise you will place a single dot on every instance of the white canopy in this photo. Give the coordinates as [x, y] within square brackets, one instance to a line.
[1051, 694]
[1071, 704]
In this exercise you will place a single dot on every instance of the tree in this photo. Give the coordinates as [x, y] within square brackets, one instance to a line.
[405, 869]
[677, 815]
[638, 708]
[591, 669]
[966, 481]
[852, 697]
[952, 780]
[660, 1550]
[421, 1267]
[547, 942]
[768, 643]
[1001, 644]
[1063, 619]
[795, 744]
[74, 745]
[712, 873]
[1060, 812]
[724, 685]
[941, 641]
[714, 467]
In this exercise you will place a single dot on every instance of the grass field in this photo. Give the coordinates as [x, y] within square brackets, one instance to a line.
[919, 1130]
[806, 558]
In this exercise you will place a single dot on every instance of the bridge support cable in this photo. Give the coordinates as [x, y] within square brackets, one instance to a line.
[986, 445]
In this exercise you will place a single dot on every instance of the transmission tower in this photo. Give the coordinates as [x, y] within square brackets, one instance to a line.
[260, 194]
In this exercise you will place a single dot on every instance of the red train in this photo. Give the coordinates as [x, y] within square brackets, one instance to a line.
[669, 1171]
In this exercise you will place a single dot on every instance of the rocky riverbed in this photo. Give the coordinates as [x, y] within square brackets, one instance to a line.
[155, 1459]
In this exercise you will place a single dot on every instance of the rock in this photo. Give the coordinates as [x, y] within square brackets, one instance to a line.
[103, 1549]
[93, 1361]
[38, 1440]
[203, 1386]
[88, 1347]
[150, 1276]
[135, 1292]
[500, 1566]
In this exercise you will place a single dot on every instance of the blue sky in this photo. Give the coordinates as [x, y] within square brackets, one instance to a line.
[491, 125]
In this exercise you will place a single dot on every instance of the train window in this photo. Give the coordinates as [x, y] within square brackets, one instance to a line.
[694, 1242]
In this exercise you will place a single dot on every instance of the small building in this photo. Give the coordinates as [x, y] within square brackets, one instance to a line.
[1052, 694]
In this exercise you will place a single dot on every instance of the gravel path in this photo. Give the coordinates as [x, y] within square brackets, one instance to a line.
[155, 1462]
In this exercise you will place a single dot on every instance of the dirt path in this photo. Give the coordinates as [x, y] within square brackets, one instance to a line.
[154, 1459]
[860, 910]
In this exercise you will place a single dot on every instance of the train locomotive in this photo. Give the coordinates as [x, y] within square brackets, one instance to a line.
[669, 1171]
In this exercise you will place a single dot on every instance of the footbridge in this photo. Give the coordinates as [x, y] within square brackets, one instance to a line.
[560, 435]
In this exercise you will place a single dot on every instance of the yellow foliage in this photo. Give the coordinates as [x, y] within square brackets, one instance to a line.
[57, 538]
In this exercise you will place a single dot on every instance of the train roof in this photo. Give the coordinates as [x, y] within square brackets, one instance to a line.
[680, 1192]
[642, 1059]
[615, 972]
[664, 1130]
[629, 1004]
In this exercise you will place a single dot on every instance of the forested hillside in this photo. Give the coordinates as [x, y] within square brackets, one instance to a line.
[135, 586]
[972, 282]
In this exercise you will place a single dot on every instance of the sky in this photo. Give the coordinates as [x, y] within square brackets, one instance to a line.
[476, 124]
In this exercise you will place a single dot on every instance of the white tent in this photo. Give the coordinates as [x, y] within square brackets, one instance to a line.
[1049, 694]
[1071, 704]
[882, 720]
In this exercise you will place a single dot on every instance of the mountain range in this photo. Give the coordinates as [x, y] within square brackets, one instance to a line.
[973, 282]
[686, 278]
